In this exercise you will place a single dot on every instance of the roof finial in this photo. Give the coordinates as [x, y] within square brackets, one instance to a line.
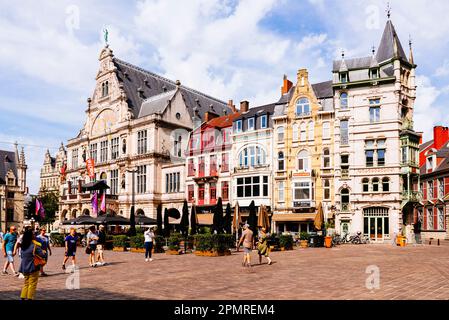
[106, 36]
[342, 54]
[373, 50]
[410, 44]
[388, 10]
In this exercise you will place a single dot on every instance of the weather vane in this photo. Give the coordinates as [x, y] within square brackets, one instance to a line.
[106, 36]
[388, 10]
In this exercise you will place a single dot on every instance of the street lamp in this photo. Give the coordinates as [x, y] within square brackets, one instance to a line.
[132, 188]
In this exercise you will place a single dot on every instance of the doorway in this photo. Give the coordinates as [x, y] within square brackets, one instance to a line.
[376, 224]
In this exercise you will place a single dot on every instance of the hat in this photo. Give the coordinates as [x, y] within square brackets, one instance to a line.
[246, 225]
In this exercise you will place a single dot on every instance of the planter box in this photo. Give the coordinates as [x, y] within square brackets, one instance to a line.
[119, 249]
[303, 244]
[138, 250]
[172, 252]
[213, 253]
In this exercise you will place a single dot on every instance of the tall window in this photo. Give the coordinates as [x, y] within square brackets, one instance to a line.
[326, 130]
[344, 101]
[213, 165]
[344, 77]
[252, 156]
[201, 193]
[225, 162]
[75, 158]
[281, 197]
[172, 182]
[380, 152]
[326, 158]
[374, 73]
[327, 189]
[201, 166]
[177, 146]
[302, 191]
[114, 148]
[441, 188]
[105, 89]
[303, 107]
[190, 192]
[344, 132]
[369, 153]
[263, 121]
[430, 218]
[430, 190]
[93, 152]
[311, 130]
[303, 160]
[281, 161]
[345, 200]
[114, 181]
[344, 165]
[191, 168]
[280, 132]
[440, 218]
[238, 126]
[303, 132]
[365, 184]
[295, 132]
[225, 190]
[213, 192]
[142, 142]
[375, 184]
[251, 124]
[374, 110]
[385, 185]
[141, 179]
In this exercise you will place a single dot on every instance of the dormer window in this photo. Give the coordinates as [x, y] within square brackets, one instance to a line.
[263, 121]
[250, 124]
[238, 126]
[430, 165]
[374, 73]
[105, 89]
[303, 107]
[344, 77]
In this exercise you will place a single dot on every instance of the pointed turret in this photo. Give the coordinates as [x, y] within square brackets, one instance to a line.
[410, 59]
[343, 66]
[390, 46]
[22, 157]
[374, 63]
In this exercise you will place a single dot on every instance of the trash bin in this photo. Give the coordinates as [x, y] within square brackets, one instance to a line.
[316, 241]
[328, 242]
[401, 241]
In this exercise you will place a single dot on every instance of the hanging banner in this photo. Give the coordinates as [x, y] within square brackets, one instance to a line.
[90, 165]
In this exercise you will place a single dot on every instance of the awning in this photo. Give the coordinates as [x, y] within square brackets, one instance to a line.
[96, 185]
[292, 217]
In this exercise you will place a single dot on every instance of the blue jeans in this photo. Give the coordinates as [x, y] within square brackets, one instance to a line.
[148, 249]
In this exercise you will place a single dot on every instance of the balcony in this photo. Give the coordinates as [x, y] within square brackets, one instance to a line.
[345, 173]
[412, 196]
[303, 114]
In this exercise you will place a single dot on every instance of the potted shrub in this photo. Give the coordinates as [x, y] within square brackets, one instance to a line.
[137, 243]
[57, 239]
[159, 244]
[119, 242]
[304, 239]
[108, 245]
[286, 242]
[213, 245]
[174, 244]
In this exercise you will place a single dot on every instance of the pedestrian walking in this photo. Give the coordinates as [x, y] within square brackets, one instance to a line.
[17, 247]
[8, 245]
[45, 246]
[247, 240]
[30, 264]
[91, 240]
[149, 240]
[100, 245]
[70, 248]
[262, 246]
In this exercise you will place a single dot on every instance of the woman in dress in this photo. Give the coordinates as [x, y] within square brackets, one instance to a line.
[262, 247]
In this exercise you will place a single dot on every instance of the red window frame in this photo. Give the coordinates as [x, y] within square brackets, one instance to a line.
[225, 190]
[213, 193]
[201, 166]
[225, 162]
[190, 192]
[213, 165]
[201, 194]
[191, 168]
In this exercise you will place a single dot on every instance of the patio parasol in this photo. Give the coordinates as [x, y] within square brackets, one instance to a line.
[263, 220]
[144, 220]
[111, 219]
[319, 218]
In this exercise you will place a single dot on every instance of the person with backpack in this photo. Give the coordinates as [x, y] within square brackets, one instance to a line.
[33, 259]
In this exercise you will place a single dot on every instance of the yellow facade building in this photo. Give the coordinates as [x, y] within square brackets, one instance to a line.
[303, 143]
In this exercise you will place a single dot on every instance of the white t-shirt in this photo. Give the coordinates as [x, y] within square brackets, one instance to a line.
[149, 235]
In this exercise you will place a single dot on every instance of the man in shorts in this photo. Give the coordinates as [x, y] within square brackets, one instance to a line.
[70, 248]
[247, 240]
[8, 245]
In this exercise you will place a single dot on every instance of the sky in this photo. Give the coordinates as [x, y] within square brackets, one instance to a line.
[236, 50]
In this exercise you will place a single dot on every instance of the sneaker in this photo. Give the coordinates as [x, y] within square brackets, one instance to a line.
[16, 274]
[270, 262]
[21, 276]
[4, 272]
[63, 267]
[151, 259]
[146, 260]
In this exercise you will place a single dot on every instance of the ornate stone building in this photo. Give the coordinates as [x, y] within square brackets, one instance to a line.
[12, 188]
[50, 177]
[136, 130]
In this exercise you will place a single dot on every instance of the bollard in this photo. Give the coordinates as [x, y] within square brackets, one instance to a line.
[430, 242]
[438, 241]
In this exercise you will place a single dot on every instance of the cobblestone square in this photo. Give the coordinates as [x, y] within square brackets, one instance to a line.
[413, 272]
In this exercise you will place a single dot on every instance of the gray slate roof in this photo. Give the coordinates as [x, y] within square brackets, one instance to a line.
[7, 162]
[150, 84]
[323, 89]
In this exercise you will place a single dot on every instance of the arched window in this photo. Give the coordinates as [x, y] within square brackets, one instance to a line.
[344, 100]
[280, 132]
[303, 107]
[326, 158]
[375, 184]
[295, 132]
[385, 185]
[303, 160]
[281, 161]
[345, 200]
[303, 131]
[103, 176]
[105, 88]
[365, 184]
[311, 130]
[252, 156]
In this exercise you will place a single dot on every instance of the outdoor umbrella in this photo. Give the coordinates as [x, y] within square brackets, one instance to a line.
[95, 186]
[252, 218]
[159, 219]
[319, 218]
[144, 220]
[185, 219]
[228, 219]
[111, 219]
[263, 220]
[81, 220]
[132, 223]
[218, 217]
[237, 220]
[166, 224]
[193, 220]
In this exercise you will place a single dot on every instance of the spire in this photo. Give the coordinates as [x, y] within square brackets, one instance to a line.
[22, 157]
[16, 152]
[343, 66]
[390, 46]
[374, 63]
[410, 43]
[61, 148]
[388, 10]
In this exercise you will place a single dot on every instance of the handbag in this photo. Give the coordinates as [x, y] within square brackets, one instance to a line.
[88, 250]
[38, 260]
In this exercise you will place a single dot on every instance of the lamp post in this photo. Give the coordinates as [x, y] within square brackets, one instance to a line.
[133, 187]
[132, 216]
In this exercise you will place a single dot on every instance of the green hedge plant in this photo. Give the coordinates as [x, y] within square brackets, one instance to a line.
[214, 242]
[304, 236]
[286, 241]
[174, 240]
[159, 245]
[137, 241]
[58, 239]
[120, 241]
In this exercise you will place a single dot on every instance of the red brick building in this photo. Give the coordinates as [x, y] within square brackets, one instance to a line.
[431, 215]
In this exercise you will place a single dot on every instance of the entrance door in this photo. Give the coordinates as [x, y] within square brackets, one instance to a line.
[345, 226]
[376, 224]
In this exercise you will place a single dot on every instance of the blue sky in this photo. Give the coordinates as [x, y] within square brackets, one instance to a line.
[230, 49]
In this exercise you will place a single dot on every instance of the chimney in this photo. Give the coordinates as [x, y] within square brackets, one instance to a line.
[440, 136]
[286, 86]
[232, 106]
[244, 106]
[209, 115]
